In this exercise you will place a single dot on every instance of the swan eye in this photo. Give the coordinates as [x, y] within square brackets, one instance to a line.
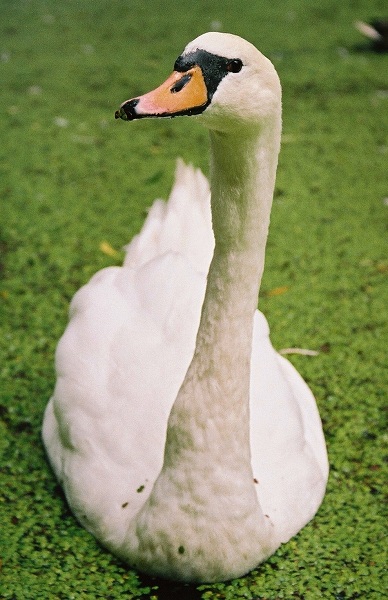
[234, 66]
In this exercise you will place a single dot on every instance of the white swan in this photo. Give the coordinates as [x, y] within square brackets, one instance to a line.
[183, 441]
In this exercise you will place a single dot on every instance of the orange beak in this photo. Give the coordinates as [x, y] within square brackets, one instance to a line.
[183, 93]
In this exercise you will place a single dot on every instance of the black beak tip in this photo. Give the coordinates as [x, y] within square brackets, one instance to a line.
[127, 111]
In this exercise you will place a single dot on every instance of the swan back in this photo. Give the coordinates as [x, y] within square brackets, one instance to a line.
[182, 225]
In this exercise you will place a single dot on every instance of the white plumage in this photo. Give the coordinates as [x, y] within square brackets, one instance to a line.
[161, 453]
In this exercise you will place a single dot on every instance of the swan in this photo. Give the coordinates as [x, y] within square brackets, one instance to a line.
[183, 441]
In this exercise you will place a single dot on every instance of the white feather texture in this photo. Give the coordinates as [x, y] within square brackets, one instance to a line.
[184, 442]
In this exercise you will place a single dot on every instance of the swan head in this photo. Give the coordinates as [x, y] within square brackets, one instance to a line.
[219, 76]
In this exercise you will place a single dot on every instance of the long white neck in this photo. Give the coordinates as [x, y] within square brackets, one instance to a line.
[206, 482]
[216, 388]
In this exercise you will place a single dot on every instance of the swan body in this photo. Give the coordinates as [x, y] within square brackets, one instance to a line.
[184, 442]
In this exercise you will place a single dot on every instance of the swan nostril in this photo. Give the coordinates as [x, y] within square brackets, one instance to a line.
[179, 85]
[127, 110]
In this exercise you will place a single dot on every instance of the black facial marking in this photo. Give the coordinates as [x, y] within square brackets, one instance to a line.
[214, 68]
